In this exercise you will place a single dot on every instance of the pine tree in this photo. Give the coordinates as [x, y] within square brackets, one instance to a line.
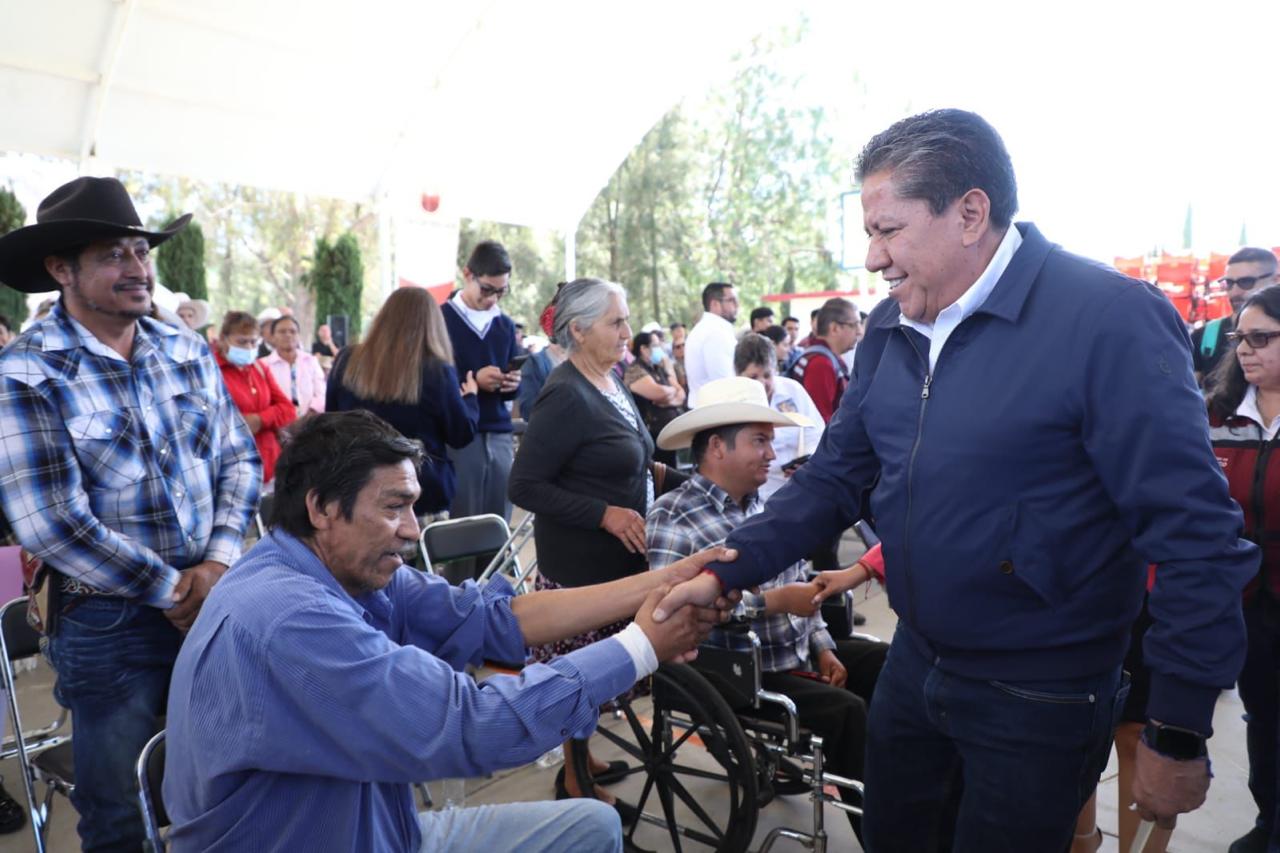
[337, 279]
[13, 304]
[180, 262]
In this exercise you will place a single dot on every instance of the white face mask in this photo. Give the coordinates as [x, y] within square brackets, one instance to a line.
[241, 356]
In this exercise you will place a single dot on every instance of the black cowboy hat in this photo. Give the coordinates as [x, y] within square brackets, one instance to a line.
[74, 214]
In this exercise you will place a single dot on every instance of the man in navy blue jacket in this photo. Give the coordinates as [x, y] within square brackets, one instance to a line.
[1032, 429]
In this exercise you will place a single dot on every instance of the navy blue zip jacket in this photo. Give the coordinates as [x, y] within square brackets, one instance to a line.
[1059, 445]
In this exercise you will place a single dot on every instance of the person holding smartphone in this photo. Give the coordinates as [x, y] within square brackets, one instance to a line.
[484, 344]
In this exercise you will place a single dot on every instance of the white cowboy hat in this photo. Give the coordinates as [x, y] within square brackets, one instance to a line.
[199, 306]
[722, 402]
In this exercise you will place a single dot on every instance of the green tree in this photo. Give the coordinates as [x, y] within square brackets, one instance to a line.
[734, 188]
[337, 279]
[180, 261]
[259, 243]
[13, 304]
[637, 230]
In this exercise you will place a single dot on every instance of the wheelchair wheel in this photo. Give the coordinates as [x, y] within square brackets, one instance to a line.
[696, 763]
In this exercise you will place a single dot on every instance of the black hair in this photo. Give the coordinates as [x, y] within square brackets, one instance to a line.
[813, 315]
[1253, 255]
[642, 339]
[489, 257]
[761, 312]
[713, 292]
[334, 454]
[676, 325]
[728, 434]
[1227, 383]
[940, 155]
[777, 334]
[789, 319]
[290, 318]
[71, 256]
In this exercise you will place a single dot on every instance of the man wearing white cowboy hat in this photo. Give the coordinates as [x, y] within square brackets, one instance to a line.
[194, 312]
[126, 468]
[730, 431]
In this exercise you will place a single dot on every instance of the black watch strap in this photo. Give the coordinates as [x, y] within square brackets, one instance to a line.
[1176, 743]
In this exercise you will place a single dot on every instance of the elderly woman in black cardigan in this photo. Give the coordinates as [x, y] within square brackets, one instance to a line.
[585, 469]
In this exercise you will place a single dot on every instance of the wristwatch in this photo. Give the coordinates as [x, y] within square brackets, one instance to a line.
[1173, 742]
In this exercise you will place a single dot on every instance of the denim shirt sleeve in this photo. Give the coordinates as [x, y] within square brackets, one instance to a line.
[344, 700]
[462, 624]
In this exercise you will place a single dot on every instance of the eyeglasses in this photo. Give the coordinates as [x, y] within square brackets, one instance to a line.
[1255, 340]
[490, 290]
[1244, 282]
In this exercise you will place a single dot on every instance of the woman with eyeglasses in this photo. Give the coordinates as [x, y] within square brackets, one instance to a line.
[266, 408]
[1247, 269]
[1244, 415]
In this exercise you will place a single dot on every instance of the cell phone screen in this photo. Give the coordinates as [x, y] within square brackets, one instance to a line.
[516, 363]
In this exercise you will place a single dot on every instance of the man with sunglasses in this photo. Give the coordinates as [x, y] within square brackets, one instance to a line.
[484, 342]
[1247, 270]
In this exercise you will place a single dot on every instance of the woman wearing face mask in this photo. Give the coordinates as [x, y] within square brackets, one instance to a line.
[652, 381]
[266, 409]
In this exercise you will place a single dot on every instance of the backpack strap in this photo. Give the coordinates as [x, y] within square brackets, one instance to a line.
[1209, 340]
[837, 363]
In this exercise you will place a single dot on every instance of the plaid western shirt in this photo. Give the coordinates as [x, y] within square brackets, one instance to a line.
[698, 515]
[121, 472]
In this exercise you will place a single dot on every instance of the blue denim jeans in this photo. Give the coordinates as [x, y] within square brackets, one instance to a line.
[1023, 757]
[113, 658]
[582, 826]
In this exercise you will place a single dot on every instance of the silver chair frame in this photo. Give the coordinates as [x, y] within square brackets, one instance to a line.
[38, 811]
[146, 796]
[505, 562]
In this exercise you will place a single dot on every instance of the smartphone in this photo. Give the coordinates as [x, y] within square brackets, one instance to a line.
[516, 363]
[796, 463]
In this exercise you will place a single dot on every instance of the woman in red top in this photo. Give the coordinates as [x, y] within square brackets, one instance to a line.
[1244, 414]
[265, 407]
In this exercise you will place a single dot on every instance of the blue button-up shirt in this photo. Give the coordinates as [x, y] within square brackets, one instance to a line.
[117, 471]
[299, 716]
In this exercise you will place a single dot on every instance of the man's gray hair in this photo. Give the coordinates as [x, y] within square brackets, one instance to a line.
[939, 156]
[581, 303]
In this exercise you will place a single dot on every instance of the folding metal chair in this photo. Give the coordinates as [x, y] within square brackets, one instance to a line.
[263, 516]
[475, 535]
[47, 760]
[150, 772]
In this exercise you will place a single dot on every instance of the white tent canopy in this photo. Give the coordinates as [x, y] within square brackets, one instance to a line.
[509, 111]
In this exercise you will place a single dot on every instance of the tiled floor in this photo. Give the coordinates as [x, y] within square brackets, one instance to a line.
[1227, 814]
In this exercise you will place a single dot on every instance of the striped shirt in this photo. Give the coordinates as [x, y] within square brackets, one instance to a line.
[121, 472]
[300, 715]
[698, 515]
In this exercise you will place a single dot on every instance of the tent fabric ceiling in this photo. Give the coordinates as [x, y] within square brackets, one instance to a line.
[510, 111]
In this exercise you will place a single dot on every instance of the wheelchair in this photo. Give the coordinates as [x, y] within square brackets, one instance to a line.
[716, 736]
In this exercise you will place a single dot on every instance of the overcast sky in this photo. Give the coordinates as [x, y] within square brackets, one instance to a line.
[1117, 115]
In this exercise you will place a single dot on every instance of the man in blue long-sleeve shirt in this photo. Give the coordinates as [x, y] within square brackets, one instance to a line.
[1032, 432]
[324, 677]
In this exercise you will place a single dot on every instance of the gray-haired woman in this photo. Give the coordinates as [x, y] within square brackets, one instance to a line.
[584, 469]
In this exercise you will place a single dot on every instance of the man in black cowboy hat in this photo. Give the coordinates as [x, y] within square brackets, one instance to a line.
[125, 467]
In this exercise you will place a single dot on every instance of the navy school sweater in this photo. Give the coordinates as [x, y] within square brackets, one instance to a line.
[472, 352]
